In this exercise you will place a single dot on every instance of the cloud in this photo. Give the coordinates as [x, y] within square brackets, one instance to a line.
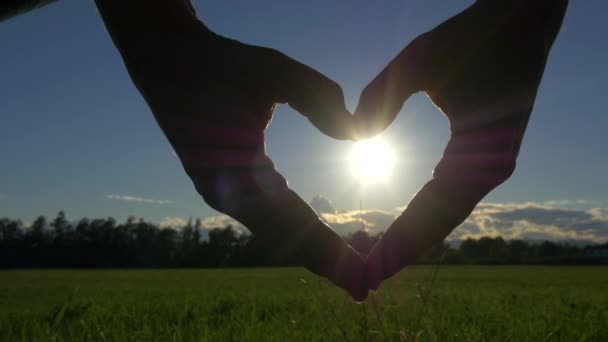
[349, 221]
[207, 224]
[572, 203]
[550, 220]
[527, 220]
[600, 214]
[223, 221]
[547, 221]
[173, 222]
[543, 216]
[138, 199]
[322, 205]
[372, 221]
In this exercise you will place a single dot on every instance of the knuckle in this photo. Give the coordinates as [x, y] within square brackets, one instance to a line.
[503, 174]
[508, 171]
[271, 56]
[367, 92]
[209, 196]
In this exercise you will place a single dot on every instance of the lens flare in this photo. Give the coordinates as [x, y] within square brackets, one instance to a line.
[372, 161]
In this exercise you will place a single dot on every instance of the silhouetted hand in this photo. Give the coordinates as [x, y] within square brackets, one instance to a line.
[11, 8]
[472, 66]
[482, 68]
[214, 97]
[176, 61]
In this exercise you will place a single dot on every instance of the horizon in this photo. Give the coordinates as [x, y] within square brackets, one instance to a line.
[348, 223]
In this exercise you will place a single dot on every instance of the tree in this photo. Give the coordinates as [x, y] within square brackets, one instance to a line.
[60, 228]
[519, 251]
[470, 249]
[221, 245]
[37, 234]
[103, 243]
[436, 253]
[196, 235]
[10, 230]
[549, 251]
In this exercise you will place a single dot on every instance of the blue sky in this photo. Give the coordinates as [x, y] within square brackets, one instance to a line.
[76, 135]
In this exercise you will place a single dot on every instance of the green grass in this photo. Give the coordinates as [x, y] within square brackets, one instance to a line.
[462, 303]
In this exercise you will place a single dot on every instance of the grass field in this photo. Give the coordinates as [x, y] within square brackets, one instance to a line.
[455, 303]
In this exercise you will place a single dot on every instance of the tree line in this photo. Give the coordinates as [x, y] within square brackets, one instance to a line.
[135, 243]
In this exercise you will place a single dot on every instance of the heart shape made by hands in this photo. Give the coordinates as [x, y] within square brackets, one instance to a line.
[213, 97]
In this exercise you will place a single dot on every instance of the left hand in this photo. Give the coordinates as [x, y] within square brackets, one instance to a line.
[482, 68]
[489, 57]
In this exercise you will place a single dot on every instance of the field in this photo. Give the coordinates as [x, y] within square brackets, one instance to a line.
[422, 303]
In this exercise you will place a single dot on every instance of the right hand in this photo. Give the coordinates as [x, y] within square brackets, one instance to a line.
[214, 97]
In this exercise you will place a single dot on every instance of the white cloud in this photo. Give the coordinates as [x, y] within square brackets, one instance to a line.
[599, 213]
[372, 221]
[173, 222]
[138, 199]
[552, 220]
[572, 203]
[322, 205]
[209, 223]
[223, 221]
[548, 220]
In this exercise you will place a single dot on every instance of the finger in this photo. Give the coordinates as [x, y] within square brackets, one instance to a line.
[190, 7]
[11, 8]
[313, 95]
[384, 96]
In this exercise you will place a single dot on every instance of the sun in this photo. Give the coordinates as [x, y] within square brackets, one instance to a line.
[372, 161]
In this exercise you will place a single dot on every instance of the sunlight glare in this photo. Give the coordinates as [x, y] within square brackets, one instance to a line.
[372, 161]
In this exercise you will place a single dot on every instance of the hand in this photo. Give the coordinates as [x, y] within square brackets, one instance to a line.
[471, 66]
[482, 68]
[176, 62]
[11, 8]
[213, 97]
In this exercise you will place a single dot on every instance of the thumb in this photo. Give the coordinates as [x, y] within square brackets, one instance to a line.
[384, 96]
[315, 96]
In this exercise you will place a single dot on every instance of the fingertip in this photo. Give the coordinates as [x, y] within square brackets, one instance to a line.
[374, 269]
[356, 276]
[365, 126]
[360, 298]
[336, 123]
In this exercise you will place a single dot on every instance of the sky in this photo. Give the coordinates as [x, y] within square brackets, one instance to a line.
[77, 136]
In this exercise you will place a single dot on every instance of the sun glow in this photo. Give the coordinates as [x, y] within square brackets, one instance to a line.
[372, 161]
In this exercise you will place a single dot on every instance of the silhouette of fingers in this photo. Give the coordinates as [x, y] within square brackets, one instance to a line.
[313, 95]
[11, 8]
[292, 232]
[384, 96]
[190, 7]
